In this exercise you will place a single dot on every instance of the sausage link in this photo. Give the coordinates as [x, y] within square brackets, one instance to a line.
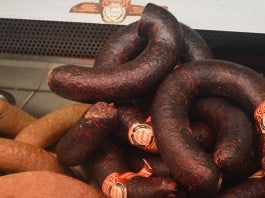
[195, 47]
[235, 135]
[125, 45]
[18, 156]
[86, 135]
[170, 116]
[137, 159]
[203, 134]
[121, 47]
[13, 119]
[135, 128]
[50, 128]
[109, 159]
[111, 169]
[153, 187]
[129, 80]
[253, 187]
[45, 184]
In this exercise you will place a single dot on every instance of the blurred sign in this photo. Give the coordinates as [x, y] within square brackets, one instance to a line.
[225, 15]
[111, 11]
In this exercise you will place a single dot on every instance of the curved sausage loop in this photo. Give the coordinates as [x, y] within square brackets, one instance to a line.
[129, 80]
[125, 44]
[252, 187]
[235, 137]
[121, 47]
[170, 116]
[195, 47]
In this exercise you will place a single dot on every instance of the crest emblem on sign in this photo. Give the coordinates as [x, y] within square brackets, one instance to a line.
[111, 11]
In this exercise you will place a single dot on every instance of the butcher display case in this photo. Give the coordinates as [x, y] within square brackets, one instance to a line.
[36, 36]
[45, 34]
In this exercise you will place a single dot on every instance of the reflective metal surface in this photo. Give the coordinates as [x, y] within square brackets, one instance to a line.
[6, 96]
[25, 78]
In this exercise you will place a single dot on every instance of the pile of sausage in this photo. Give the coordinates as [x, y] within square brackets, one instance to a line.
[29, 167]
[157, 116]
[168, 119]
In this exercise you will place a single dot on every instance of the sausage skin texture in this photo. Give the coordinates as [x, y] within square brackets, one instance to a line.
[135, 129]
[203, 134]
[86, 135]
[43, 183]
[170, 116]
[125, 44]
[195, 47]
[136, 161]
[128, 115]
[17, 156]
[121, 47]
[50, 128]
[129, 80]
[153, 187]
[132, 117]
[110, 159]
[13, 119]
[235, 134]
[200, 131]
[114, 52]
[253, 187]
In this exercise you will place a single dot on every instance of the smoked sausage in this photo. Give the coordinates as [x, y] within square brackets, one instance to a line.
[121, 47]
[129, 80]
[136, 128]
[235, 135]
[114, 176]
[87, 134]
[253, 187]
[125, 44]
[50, 128]
[170, 116]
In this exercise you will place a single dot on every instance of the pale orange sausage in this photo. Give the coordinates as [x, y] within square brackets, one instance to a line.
[13, 119]
[45, 184]
[49, 129]
[18, 156]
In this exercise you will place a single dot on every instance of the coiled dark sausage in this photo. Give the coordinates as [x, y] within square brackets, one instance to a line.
[125, 44]
[235, 134]
[195, 47]
[253, 187]
[136, 128]
[129, 80]
[121, 47]
[203, 134]
[170, 116]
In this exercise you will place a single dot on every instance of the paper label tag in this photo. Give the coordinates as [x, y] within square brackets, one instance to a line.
[114, 185]
[108, 183]
[118, 190]
[259, 116]
[142, 135]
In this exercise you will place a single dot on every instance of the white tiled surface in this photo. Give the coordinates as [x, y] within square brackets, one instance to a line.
[25, 78]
